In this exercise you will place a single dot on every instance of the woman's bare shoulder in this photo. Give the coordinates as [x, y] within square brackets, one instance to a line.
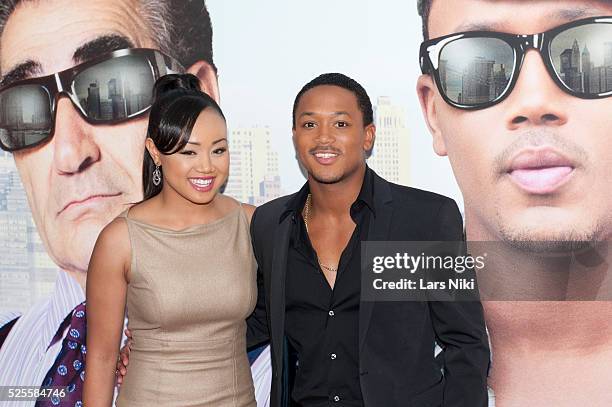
[114, 237]
[249, 210]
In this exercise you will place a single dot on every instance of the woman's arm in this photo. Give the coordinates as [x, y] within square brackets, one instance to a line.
[106, 297]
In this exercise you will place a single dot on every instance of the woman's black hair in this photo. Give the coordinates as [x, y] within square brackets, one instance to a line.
[178, 101]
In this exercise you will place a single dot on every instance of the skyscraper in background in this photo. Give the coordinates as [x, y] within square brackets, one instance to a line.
[93, 100]
[608, 54]
[391, 154]
[478, 81]
[115, 94]
[600, 77]
[587, 66]
[576, 55]
[269, 189]
[14, 113]
[254, 173]
[571, 69]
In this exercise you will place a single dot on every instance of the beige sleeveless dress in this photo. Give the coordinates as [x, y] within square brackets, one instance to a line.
[189, 295]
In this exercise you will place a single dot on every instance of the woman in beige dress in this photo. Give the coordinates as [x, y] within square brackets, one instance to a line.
[181, 260]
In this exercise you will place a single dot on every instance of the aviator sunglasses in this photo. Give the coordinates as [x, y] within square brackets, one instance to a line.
[478, 69]
[106, 90]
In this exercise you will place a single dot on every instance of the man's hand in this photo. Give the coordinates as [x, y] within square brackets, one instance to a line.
[124, 358]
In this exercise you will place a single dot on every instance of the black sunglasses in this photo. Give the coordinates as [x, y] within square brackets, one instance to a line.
[477, 69]
[106, 90]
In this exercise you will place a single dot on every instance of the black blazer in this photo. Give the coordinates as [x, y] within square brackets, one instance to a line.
[396, 362]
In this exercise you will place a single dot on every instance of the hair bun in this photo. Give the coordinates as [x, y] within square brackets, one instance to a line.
[173, 82]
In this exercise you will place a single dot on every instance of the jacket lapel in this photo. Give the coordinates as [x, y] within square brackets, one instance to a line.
[277, 288]
[377, 231]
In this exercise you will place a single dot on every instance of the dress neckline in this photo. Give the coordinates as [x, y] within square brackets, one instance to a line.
[188, 229]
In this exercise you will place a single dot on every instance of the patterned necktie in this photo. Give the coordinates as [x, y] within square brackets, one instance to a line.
[68, 370]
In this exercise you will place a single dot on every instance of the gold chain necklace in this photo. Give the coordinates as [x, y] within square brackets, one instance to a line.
[306, 216]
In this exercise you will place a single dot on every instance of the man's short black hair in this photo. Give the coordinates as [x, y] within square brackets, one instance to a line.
[424, 7]
[342, 81]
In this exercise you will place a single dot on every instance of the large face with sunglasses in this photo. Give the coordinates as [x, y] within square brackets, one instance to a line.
[73, 110]
[517, 94]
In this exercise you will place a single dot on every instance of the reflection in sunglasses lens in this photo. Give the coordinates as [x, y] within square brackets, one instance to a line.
[582, 57]
[115, 89]
[475, 70]
[25, 116]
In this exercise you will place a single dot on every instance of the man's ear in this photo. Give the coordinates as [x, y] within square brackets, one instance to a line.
[293, 134]
[208, 78]
[426, 90]
[297, 159]
[370, 137]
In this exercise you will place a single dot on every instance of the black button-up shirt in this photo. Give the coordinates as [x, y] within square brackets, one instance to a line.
[322, 325]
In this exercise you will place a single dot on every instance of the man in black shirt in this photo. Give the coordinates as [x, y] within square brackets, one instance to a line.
[321, 315]
[350, 352]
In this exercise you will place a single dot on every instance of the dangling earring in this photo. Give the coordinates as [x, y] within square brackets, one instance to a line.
[157, 179]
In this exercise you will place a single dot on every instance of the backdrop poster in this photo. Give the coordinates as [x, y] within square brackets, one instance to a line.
[56, 196]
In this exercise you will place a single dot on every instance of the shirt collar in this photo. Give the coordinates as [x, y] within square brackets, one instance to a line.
[66, 296]
[366, 196]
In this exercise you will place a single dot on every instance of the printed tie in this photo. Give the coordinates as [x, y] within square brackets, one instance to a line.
[68, 371]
